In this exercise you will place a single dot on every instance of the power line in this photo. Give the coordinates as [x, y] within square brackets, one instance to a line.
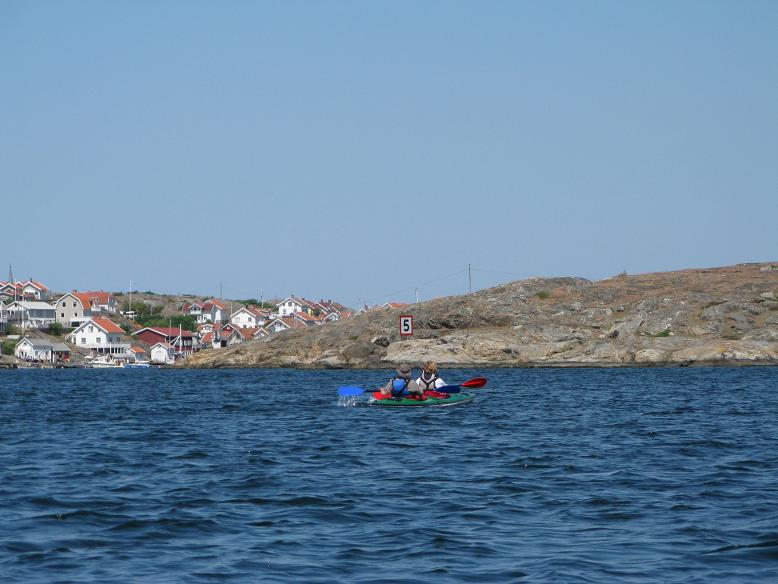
[413, 288]
[468, 270]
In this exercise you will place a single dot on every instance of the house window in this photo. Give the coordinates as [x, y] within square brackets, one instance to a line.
[74, 305]
[62, 315]
[97, 340]
[83, 340]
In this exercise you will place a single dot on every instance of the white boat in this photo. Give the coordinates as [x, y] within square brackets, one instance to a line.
[104, 362]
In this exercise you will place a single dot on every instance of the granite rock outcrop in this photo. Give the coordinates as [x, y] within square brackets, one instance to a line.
[726, 315]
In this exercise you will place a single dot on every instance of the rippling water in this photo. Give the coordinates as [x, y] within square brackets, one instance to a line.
[628, 475]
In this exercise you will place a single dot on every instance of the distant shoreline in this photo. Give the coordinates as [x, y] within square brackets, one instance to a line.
[715, 317]
[722, 363]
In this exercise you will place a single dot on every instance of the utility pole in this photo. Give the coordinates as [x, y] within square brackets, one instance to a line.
[12, 280]
[469, 278]
[417, 295]
[131, 295]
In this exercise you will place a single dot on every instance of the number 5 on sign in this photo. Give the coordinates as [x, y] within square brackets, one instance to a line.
[406, 326]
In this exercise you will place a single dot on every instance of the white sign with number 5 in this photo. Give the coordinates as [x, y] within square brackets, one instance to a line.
[406, 326]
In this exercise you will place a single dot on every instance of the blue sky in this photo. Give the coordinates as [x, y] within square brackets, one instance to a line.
[359, 150]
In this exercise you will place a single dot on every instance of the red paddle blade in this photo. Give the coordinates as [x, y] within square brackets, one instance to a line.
[476, 382]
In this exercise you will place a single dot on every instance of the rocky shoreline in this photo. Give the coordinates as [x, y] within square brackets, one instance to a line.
[717, 316]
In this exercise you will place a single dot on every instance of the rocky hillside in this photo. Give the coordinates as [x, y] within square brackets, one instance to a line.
[701, 316]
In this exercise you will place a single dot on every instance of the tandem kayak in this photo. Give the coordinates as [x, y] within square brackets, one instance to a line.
[453, 399]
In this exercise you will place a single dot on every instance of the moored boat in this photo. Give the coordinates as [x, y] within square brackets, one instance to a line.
[103, 362]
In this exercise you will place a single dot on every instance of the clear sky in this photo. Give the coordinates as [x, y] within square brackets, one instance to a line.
[358, 150]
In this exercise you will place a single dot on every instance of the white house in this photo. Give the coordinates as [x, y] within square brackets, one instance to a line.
[29, 290]
[163, 353]
[71, 310]
[99, 302]
[216, 337]
[195, 309]
[249, 317]
[222, 335]
[30, 314]
[306, 319]
[101, 336]
[331, 317]
[33, 350]
[293, 304]
[235, 338]
[41, 350]
[206, 315]
[282, 324]
[261, 333]
[215, 311]
[75, 307]
[219, 311]
[241, 335]
[32, 289]
[329, 306]
[11, 291]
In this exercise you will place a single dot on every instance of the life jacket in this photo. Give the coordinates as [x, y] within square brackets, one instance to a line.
[427, 383]
[399, 386]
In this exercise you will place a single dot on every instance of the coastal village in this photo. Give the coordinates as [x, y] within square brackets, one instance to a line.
[102, 329]
[698, 315]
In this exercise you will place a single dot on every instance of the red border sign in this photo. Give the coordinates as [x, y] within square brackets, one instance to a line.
[406, 325]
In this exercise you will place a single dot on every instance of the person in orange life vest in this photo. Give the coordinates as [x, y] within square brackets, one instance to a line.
[401, 385]
[429, 378]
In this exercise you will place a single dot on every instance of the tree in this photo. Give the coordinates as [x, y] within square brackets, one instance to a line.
[255, 302]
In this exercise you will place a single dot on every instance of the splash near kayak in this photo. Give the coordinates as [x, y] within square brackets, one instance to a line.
[450, 400]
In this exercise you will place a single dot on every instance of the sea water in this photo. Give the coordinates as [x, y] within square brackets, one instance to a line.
[551, 475]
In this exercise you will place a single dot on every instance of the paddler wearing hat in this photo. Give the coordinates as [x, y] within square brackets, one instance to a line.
[402, 384]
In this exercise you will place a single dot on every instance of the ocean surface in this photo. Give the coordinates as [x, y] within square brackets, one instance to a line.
[550, 475]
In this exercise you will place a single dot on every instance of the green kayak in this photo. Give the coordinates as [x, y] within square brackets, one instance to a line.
[452, 400]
